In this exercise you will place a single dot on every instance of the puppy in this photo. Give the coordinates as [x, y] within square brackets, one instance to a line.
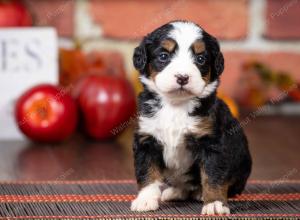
[183, 137]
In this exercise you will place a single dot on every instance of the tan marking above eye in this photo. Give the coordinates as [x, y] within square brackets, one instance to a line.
[169, 45]
[198, 46]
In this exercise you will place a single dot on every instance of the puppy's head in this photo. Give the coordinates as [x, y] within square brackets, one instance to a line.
[179, 60]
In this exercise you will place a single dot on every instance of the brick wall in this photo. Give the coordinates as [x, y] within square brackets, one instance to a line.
[266, 30]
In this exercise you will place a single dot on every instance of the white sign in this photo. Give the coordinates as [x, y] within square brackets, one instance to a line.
[28, 56]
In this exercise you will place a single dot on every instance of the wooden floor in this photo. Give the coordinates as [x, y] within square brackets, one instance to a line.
[274, 144]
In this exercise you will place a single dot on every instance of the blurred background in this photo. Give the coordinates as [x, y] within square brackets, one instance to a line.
[68, 87]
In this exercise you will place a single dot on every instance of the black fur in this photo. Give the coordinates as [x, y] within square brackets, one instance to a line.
[224, 155]
[146, 154]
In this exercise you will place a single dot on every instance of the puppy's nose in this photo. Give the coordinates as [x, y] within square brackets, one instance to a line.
[182, 79]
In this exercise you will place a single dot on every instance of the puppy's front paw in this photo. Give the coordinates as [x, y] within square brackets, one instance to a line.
[172, 193]
[148, 198]
[144, 204]
[216, 207]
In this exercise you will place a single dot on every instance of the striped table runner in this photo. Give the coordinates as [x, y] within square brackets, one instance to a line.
[110, 199]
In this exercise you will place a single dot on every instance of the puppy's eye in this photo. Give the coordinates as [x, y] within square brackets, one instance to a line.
[163, 57]
[200, 59]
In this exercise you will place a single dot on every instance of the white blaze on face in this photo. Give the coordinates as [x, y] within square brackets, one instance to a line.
[184, 34]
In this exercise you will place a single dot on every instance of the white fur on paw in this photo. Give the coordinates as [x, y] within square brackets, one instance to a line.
[148, 198]
[215, 207]
[144, 204]
[172, 193]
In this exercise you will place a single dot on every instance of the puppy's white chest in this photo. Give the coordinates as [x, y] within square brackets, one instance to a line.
[169, 125]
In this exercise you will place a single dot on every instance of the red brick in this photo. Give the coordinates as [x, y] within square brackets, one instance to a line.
[134, 18]
[56, 13]
[288, 62]
[283, 19]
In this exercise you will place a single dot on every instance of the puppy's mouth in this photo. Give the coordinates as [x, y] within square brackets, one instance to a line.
[182, 91]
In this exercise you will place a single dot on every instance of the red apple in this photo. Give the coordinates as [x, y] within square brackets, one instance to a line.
[46, 113]
[106, 102]
[14, 14]
[294, 93]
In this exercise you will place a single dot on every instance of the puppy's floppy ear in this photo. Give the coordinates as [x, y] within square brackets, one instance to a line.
[140, 57]
[219, 63]
[216, 56]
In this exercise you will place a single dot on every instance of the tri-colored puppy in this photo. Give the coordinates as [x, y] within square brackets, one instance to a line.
[183, 138]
